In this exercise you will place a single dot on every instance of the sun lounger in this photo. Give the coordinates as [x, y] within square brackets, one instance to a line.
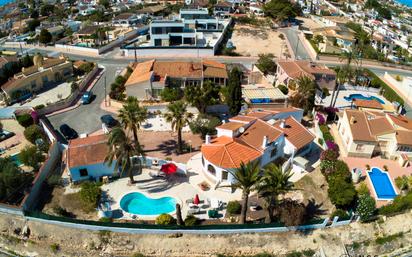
[157, 175]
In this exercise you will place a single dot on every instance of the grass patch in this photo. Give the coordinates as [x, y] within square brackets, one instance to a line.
[389, 238]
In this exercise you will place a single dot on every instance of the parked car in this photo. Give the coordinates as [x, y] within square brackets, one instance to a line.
[87, 97]
[68, 132]
[109, 121]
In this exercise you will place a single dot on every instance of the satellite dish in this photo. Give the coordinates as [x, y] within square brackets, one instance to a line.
[188, 2]
[242, 129]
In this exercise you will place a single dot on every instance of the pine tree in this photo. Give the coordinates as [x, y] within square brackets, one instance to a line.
[234, 92]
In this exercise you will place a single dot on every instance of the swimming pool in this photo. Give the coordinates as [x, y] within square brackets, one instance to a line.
[15, 158]
[382, 184]
[138, 203]
[351, 97]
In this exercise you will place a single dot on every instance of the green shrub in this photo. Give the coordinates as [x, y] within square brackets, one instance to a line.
[388, 92]
[106, 219]
[191, 220]
[38, 107]
[33, 132]
[204, 125]
[389, 238]
[90, 193]
[54, 180]
[54, 247]
[61, 211]
[233, 207]
[25, 120]
[363, 189]
[325, 92]
[171, 94]
[327, 136]
[165, 219]
[342, 214]
[399, 204]
[366, 207]
[31, 156]
[402, 182]
[283, 89]
[341, 191]
[320, 141]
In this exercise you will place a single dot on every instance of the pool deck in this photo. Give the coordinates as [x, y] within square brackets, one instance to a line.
[178, 186]
[394, 171]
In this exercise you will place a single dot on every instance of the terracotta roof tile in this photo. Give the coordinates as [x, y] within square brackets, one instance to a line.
[254, 134]
[373, 104]
[231, 125]
[359, 126]
[85, 151]
[295, 132]
[404, 137]
[228, 153]
[141, 73]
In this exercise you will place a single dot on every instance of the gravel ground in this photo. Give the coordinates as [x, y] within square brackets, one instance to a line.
[76, 242]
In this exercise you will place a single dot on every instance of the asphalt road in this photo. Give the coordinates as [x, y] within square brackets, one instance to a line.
[86, 118]
[296, 44]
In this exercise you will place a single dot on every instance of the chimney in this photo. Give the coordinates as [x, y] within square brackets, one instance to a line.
[282, 123]
[352, 120]
[265, 142]
[207, 139]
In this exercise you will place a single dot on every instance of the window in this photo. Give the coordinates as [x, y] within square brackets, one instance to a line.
[225, 175]
[211, 170]
[83, 172]
[203, 161]
[359, 147]
[273, 152]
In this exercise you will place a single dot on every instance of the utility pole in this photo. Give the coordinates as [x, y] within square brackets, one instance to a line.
[135, 52]
[105, 96]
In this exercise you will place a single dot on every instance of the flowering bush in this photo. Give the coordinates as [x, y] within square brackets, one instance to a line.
[320, 118]
[329, 155]
[332, 146]
[366, 207]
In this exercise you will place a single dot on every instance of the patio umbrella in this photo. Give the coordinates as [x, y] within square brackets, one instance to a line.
[169, 168]
[196, 200]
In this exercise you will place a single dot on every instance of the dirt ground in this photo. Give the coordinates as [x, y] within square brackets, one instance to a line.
[252, 41]
[313, 189]
[164, 144]
[308, 23]
[360, 239]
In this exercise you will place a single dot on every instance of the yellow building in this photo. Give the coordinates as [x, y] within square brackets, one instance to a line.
[44, 72]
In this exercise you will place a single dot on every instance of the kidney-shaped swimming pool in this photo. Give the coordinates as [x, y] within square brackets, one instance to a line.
[138, 203]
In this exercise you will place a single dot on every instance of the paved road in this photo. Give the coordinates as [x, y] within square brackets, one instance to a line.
[296, 44]
[86, 118]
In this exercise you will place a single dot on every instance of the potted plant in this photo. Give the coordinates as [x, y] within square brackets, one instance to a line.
[368, 167]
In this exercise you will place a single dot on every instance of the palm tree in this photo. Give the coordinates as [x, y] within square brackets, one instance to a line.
[274, 182]
[131, 116]
[345, 74]
[247, 177]
[179, 117]
[307, 90]
[121, 150]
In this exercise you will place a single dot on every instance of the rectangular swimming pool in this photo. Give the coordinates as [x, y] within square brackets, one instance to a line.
[382, 184]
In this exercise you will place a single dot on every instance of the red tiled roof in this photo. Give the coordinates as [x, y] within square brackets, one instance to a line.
[295, 132]
[86, 151]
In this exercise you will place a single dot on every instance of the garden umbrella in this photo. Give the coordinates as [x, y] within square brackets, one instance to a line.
[196, 200]
[169, 168]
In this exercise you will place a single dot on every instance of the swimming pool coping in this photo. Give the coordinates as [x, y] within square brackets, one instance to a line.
[390, 180]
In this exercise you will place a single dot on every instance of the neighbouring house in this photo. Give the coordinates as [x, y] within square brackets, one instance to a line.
[127, 20]
[334, 20]
[194, 33]
[44, 72]
[262, 135]
[222, 9]
[85, 158]
[288, 71]
[149, 78]
[336, 36]
[371, 133]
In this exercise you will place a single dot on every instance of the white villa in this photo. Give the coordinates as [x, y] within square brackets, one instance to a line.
[266, 136]
[371, 133]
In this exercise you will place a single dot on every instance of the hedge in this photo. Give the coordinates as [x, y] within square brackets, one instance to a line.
[388, 92]
[327, 136]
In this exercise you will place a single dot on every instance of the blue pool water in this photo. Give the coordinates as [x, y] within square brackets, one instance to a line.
[4, 2]
[138, 203]
[349, 98]
[405, 2]
[15, 158]
[382, 184]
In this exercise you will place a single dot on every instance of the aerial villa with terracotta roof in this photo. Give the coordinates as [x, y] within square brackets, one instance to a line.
[149, 78]
[260, 135]
[288, 71]
[373, 133]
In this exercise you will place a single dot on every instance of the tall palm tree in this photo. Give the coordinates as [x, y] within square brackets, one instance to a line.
[274, 182]
[247, 177]
[131, 116]
[121, 150]
[344, 74]
[179, 117]
[307, 90]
